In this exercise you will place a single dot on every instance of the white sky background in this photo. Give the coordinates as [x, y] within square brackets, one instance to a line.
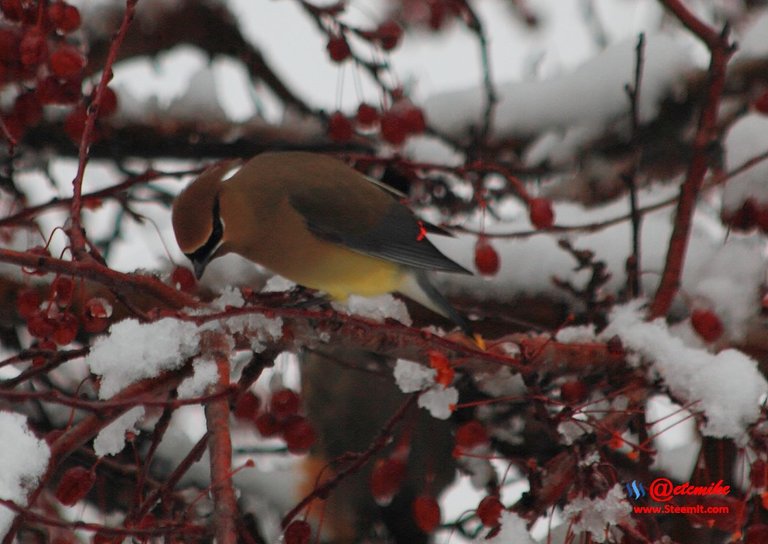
[427, 64]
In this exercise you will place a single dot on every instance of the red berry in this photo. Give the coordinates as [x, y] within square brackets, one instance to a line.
[75, 484]
[247, 406]
[413, 118]
[65, 328]
[706, 324]
[573, 392]
[34, 48]
[108, 104]
[28, 109]
[267, 425]
[65, 17]
[386, 478]
[338, 48]
[40, 325]
[745, 218]
[28, 302]
[74, 124]
[758, 475]
[761, 104]
[366, 115]
[426, 513]
[298, 434]
[284, 403]
[53, 90]
[471, 434]
[12, 9]
[297, 532]
[66, 61]
[489, 511]
[756, 534]
[393, 128]
[62, 290]
[389, 33]
[96, 315]
[9, 45]
[183, 279]
[486, 258]
[339, 127]
[541, 213]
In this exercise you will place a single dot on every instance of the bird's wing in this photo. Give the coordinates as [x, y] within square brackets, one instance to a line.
[392, 233]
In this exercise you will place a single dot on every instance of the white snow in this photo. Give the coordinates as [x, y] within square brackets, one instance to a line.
[376, 308]
[412, 377]
[574, 99]
[439, 401]
[204, 373]
[753, 43]
[111, 439]
[597, 516]
[747, 138]
[729, 283]
[135, 351]
[727, 387]
[513, 529]
[23, 458]
[576, 334]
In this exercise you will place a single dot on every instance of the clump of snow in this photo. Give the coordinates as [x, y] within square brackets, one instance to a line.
[513, 529]
[571, 431]
[376, 308]
[753, 43]
[24, 459]
[439, 400]
[200, 101]
[747, 138]
[571, 100]
[727, 386]
[204, 373]
[256, 327]
[501, 383]
[598, 516]
[278, 284]
[135, 351]
[111, 439]
[575, 335]
[729, 284]
[412, 377]
[229, 297]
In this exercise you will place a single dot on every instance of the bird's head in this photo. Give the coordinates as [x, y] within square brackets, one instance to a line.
[197, 223]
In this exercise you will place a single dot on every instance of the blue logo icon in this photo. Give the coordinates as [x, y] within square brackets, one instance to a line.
[635, 489]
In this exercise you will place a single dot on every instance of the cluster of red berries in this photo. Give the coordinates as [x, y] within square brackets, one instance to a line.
[395, 125]
[280, 418]
[53, 321]
[34, 52]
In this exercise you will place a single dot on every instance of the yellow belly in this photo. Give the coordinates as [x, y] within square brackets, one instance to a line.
[350, 273]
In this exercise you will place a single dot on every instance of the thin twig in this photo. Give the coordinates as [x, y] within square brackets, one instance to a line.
[76, 232]
[630, 177]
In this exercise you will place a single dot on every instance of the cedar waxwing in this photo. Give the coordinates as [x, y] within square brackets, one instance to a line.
[316, 221]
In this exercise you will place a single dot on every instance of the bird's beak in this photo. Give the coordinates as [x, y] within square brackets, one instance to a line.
[199, 267]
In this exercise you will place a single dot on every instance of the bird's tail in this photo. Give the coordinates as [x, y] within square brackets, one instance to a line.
[418, 287]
